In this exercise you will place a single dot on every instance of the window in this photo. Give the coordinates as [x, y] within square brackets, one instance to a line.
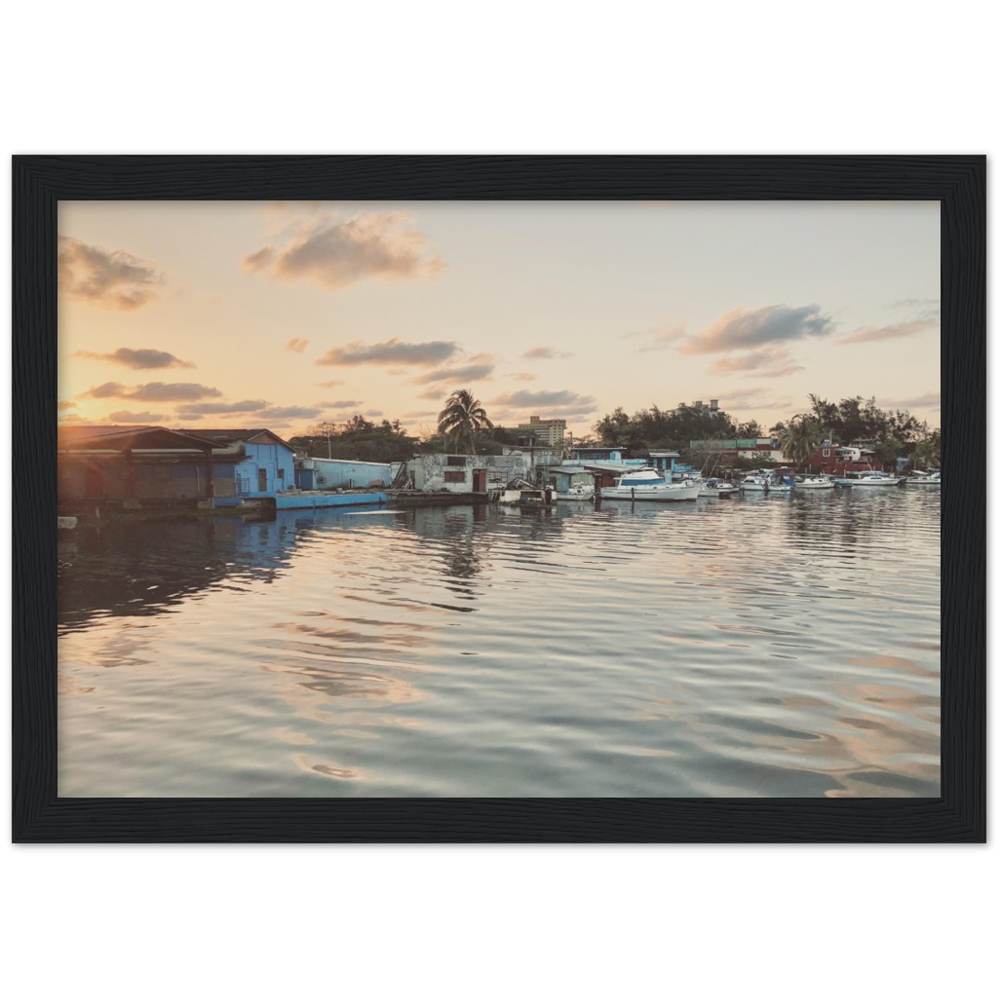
[281, 474]
[454, 476]
[456, 460]
[826, 452]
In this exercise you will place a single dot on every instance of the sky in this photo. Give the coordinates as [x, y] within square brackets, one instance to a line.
[283, 315]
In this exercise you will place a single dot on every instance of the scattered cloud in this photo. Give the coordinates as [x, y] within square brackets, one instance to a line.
[64, 404]
[341, 404]
[925, 305]
[526, 398]
[927, 401]
[769, 362]
[153, 392]
[390, 352]
[480, 366]
[374, 413]
[297, 344]
[545, 353]
[335, 252]
[865, 334]
[522, 376]
[128, 417]
[331, 384]
[140, 358]
[242, 406]
[111, 279]
[659, 337]
[289, 412]
[744, 329]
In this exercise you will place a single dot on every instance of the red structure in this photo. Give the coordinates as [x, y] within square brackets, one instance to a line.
[834, 459]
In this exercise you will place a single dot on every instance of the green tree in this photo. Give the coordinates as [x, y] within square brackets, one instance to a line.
[801, 437]
[750, 429]
[358, 440]
[928, 451]
[461, 419]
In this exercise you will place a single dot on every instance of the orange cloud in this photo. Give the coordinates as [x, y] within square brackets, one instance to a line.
[111, 279]
[335, 253]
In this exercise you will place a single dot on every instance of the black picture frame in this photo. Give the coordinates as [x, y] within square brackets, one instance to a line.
[958, 182]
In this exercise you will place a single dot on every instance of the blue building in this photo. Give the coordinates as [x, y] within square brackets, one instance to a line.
[341, 474]
[612, 454]
[665, 462]
[250, 463]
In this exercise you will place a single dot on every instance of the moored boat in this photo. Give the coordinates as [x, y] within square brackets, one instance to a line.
[814, 483]
[715, 488]
[868, 479]
[924, 479]
[648, 484]
[585, 493]
[766, 482]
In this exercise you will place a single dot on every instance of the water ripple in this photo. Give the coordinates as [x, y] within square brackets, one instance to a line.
[769, 646]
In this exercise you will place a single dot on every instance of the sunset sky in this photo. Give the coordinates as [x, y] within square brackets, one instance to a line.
[252, 314]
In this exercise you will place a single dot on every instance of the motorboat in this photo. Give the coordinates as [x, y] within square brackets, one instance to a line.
[520, 493]
[868, 479]
[766, 482]
[715, 488]
[814, 483]
[584, 492]
[648, 484]
[925, 478]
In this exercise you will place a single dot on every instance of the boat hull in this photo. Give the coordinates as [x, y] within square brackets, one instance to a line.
[869, 483]
[654, 494]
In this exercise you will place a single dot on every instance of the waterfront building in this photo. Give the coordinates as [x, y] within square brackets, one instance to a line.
[762, 449]
[466, 473]
[134, 467]
[250, 463]
[342, 474]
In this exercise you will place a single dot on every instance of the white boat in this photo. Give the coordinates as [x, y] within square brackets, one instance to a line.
[814, 483]
[715, 488]
[868, 479]
[925, 479]
[765, 482]
[520, 493]
[648, 484]
[585, 492]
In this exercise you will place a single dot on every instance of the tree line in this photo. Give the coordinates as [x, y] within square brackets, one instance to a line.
[463, 425]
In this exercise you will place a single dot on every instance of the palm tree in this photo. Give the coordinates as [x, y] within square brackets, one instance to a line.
[801, 438]
[462, 416]
[928, 452]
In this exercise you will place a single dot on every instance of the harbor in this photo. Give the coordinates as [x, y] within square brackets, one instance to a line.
[489, 500]
[747, 647]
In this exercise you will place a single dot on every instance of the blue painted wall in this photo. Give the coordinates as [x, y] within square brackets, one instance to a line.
[278, 464]
[335, 473]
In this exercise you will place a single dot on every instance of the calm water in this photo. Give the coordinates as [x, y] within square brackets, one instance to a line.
[765, 646]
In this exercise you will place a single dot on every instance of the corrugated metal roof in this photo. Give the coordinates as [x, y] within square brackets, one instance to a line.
[239, 434]
[77, 435]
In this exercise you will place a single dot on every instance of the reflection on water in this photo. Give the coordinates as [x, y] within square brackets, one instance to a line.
[769, 646]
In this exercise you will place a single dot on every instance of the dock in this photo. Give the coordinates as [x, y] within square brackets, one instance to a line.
[435, 498]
